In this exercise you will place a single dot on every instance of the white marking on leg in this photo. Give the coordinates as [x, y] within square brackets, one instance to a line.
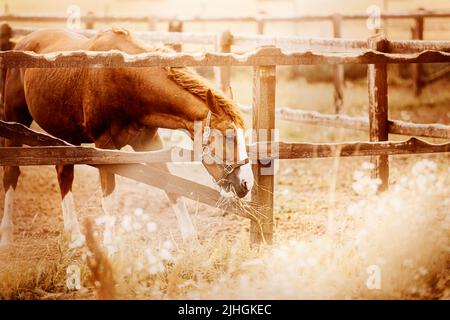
[109, 204]
[245, 172]
[185, 224]
[6, 228]
[68, 207]
[71, 224]
[109, 209]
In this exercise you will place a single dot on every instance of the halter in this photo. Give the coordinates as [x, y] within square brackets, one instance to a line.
[206, 151]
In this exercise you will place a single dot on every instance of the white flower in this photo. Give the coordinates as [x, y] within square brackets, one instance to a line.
[151, 227]
[156, 268]
[138, 212]
[357, 175]
[168, 244]
[108, 221]
[424, 167]
[368, 165]
[127, 223]
[165, 254]
[139, 266]
[137, 226]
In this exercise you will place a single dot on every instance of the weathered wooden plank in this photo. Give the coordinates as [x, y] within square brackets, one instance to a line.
[288, 43]
[338, 76]
[259, 57]
[32, 138]
[378, 110]
[57, 155]
[283, 150]
[417, 69]
[25, 135]
[434, 130]
[276, 150]
[224, 73]
[5, 44]
[175, 26]
[234, 18]
[139, 172]
[89, 21]
[440, 74]
[174, 184]
[264, 88]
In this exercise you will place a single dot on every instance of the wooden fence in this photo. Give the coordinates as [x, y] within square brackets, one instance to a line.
[259, 20]
[264, 62]
[176, 23]
[224, 42]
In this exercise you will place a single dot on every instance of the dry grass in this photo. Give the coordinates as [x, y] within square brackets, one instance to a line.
[404, 233]
[38, 270]
[101, 271]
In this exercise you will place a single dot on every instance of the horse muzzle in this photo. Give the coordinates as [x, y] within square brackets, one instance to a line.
[239, 182]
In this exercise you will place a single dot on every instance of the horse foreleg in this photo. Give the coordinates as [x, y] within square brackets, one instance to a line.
[187, 229]
[185, 224]
[109, 199]
[10, 178]
[71, 225]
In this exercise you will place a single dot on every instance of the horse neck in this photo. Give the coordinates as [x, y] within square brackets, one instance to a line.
[167, 105]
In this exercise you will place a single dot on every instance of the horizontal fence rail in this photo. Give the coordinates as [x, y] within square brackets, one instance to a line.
[200, 19]
[434, 130]
[59, 155]
[260, 57]
[138, 172]
[66, 154]
[290, 43]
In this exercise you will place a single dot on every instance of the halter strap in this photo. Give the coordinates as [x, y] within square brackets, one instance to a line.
[206, 151]
[207, 129]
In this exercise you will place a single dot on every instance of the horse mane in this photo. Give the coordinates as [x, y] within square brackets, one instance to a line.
[190, 80]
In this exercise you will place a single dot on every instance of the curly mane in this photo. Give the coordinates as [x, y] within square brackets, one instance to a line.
[195, 84]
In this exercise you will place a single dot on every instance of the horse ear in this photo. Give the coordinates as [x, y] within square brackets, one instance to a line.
[211, 102]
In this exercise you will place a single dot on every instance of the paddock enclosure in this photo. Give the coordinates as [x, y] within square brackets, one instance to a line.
[385, 137]
[378, 53]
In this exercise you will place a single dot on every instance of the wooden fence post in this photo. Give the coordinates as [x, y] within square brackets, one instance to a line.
[417, 68]
[223, 74]
[378, 109]
[5, 44]
[338, 78]
[152, 22]
[264, 87]
[260, 25]
[176, 26]
[89, 24]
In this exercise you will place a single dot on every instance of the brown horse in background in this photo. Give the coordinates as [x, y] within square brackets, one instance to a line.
[114, 107]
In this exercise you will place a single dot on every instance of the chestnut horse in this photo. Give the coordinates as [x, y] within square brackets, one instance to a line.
[115, 107]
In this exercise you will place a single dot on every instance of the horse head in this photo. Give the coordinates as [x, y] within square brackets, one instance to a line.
[224, 152]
